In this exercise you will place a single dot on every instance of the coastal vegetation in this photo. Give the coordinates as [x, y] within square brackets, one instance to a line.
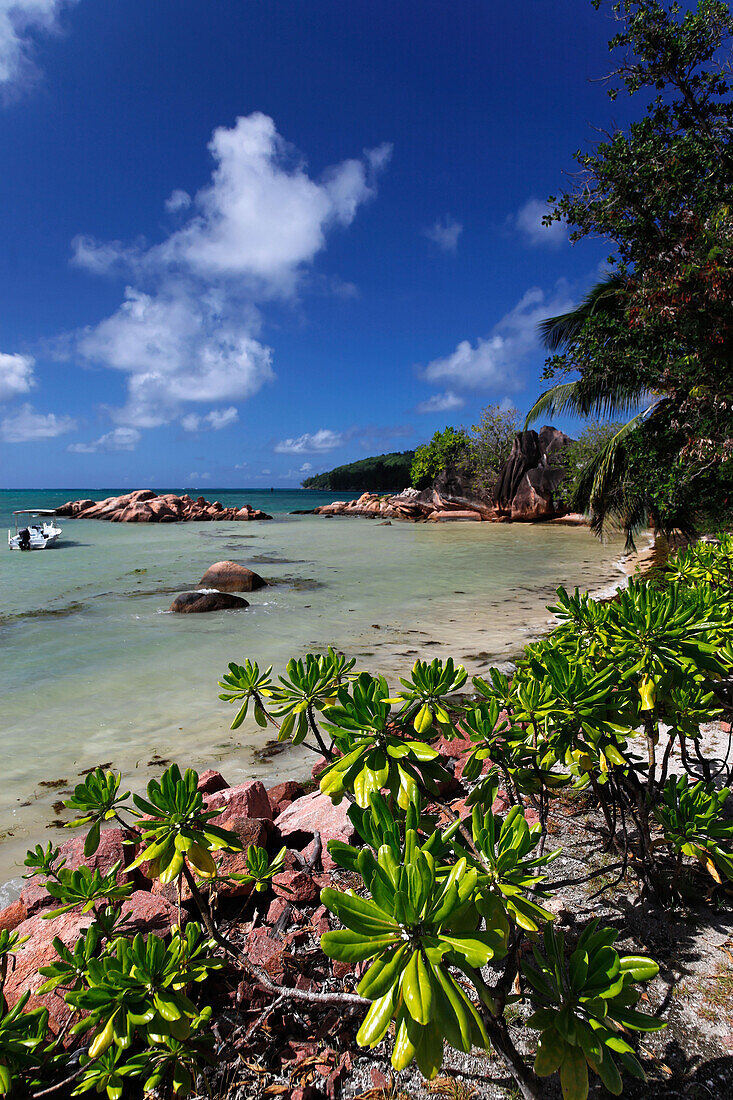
[479, 453]
[448, 447]
[655, 336]
[390, 471]
[579, 455]
[448, 910]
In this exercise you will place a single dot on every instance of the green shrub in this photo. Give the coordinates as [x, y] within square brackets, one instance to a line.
[451, 447]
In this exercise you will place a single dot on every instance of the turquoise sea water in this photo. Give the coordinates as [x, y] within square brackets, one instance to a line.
[94, 669]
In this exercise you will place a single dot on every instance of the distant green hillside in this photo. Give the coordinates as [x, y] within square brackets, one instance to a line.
[386, 472]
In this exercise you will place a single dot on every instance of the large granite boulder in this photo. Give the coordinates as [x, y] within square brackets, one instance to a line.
[533, 499]
[227, 576]
[137, 512]
[452, 489]
[189, 603]
[531, 475]
[524, 455]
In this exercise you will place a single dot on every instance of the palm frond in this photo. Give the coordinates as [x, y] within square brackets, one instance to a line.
[606, 493]
[560, 398]
[594, 398]
[606, 296]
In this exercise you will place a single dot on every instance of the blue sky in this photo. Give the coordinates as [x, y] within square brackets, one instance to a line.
[244, 240]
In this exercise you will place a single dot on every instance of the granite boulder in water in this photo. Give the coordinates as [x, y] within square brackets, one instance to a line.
[189, 603]
[227, 576]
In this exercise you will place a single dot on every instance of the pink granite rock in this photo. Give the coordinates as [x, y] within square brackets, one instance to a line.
[246, 800]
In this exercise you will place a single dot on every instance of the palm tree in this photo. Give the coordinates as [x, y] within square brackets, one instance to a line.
[605, 489]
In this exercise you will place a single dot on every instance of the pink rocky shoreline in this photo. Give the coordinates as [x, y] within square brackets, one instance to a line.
[145, 506]
[432, 506]
[286, 814]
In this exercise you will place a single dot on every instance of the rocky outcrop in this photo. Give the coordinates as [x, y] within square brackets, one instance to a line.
[227, 576]
[194, 603]
[246, 800]
[531, 475]
[145, 506]
[450, 494]
[442, 514]
[452, 491]
[211, 781]
[283, 794]
[526, 489]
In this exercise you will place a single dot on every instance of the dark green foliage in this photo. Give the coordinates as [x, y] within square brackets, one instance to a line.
[657, 334]
[244, 684]
[490, 445]
[693, 825]
[412, 929]
[139, 985]
[72, 964]
[261, 870]
[583, 1006]
[85, 888]
[426, 696]
[374, 753]
[22, 1036]
[386, 473]
[98, 799]
[509, 881]
[577, 457]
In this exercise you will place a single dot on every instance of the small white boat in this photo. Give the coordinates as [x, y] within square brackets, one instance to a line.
[34, 536]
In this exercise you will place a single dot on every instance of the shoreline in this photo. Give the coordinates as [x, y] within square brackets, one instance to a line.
[463, 630]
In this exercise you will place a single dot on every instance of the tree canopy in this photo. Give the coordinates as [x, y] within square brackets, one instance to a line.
[657, 334]
[449, 447]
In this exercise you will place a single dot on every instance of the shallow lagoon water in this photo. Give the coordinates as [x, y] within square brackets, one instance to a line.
[96, 671]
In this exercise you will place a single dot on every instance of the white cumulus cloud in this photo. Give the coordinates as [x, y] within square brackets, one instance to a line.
[445, 233]
[176, 350]
[187, 330]
[20, 22]
[441, 402]
[119, 439]
[495, 361]
[311, 443]
[178, 200]
[261, 217]
[16, 375]
[26, 425]
[528, 220]
[214, 420]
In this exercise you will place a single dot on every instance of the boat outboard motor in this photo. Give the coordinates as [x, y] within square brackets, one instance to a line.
[24, 539]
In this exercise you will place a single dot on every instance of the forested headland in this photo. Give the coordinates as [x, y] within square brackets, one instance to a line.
[391, 471]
